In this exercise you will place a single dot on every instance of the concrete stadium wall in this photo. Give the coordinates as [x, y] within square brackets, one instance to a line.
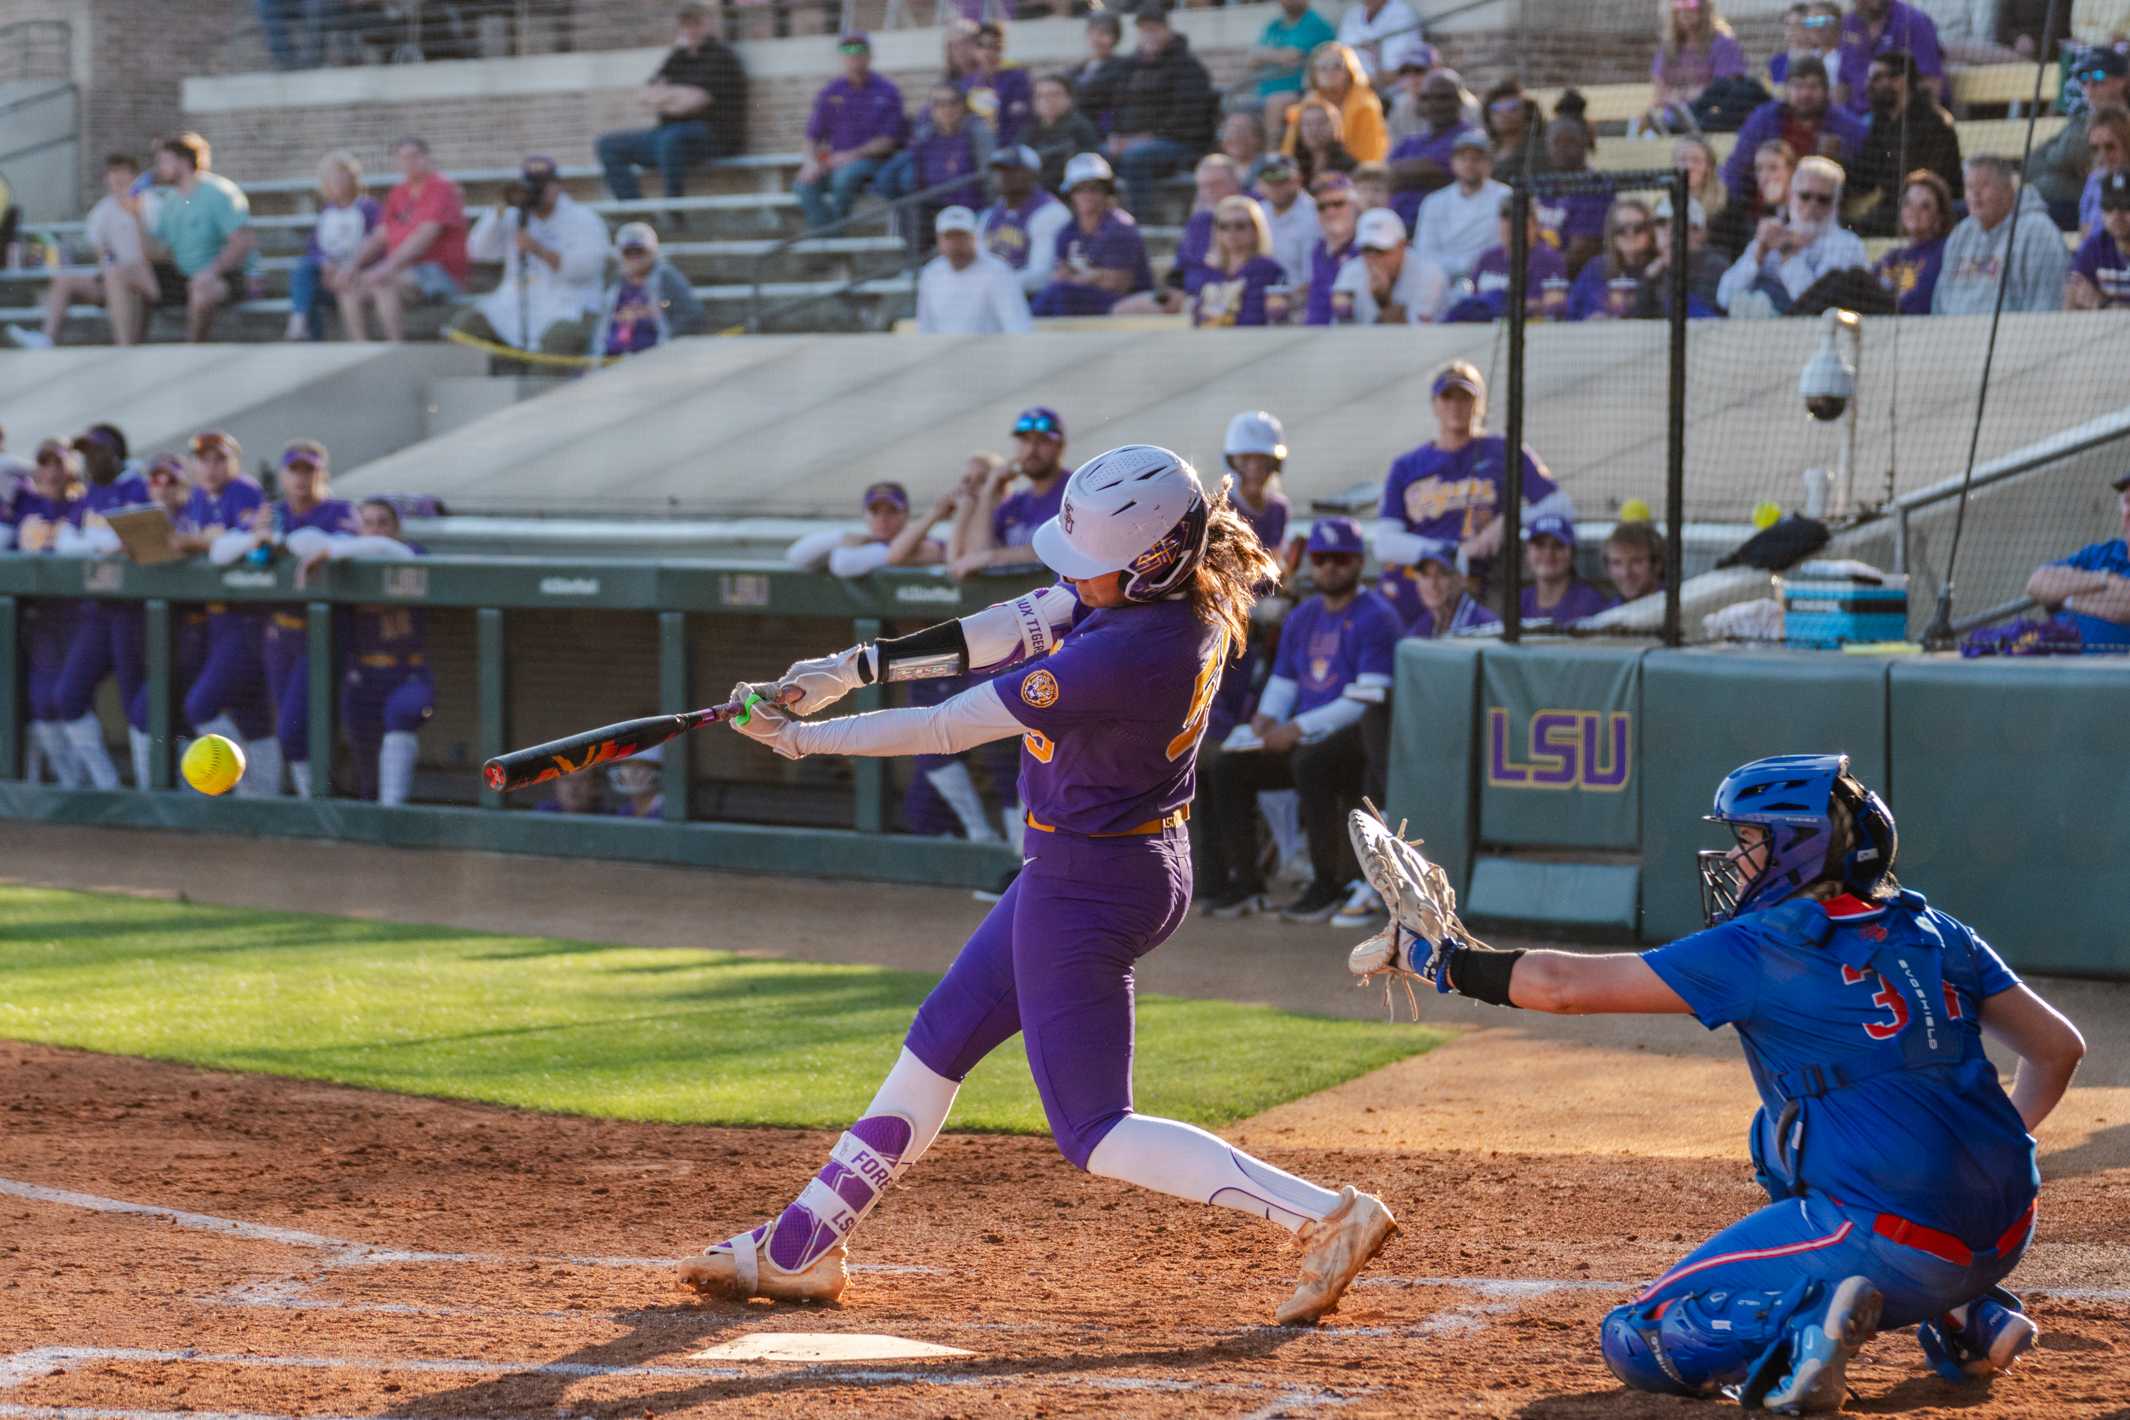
[799, 424]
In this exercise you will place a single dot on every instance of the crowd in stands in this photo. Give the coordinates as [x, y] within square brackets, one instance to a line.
[1060, 169]
[239, 670]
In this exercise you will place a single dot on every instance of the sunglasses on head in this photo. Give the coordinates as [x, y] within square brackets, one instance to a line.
[854, 49]
[1817, 22]
[1034, 424]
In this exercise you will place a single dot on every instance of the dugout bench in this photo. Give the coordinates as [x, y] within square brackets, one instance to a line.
[526, 650]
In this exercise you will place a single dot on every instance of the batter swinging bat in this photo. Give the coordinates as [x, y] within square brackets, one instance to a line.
[522, 768]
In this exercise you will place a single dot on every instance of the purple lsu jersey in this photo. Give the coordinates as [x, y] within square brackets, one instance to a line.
[1868, 1019]
[31, 505]
[1580, 600]
[328, 515]
[210, 514]
[1268, 522]
[1015, 519]
[128, 490]
[1449, 495]
[1324, 651]
[1114, 716]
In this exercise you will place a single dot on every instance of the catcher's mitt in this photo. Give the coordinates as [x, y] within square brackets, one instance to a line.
[1423, 928]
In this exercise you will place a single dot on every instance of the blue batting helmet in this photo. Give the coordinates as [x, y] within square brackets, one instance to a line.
[1793, 798]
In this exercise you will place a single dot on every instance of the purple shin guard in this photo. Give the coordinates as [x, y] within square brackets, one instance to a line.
[865, 1160]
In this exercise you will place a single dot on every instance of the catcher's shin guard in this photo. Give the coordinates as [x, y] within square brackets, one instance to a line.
[801, 1256]
[1335, 1250]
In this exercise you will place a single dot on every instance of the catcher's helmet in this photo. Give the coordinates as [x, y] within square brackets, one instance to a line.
[1255, 431]
[1138, 508]
[1793, 797]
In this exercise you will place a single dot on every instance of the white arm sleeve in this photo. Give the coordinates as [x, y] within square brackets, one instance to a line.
[857, 561]
[1277, 698]
[1043, 229]
[232, 545]
[1393, 544]
[974, 717]
[309, 542]
[1329, 718]
[70, 541]
[1024, 627]
[811, 551]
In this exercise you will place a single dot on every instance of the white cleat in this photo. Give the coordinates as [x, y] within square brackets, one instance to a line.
[741, 1268]
[1334, 1252]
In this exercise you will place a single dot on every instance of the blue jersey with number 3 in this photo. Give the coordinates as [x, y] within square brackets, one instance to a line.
[1114, 717]
[1869, 1016]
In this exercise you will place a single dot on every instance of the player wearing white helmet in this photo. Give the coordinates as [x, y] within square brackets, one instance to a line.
[1256, 451]
[1115, 677]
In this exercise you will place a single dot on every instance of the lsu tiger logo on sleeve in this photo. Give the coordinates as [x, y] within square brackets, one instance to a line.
[1040, 690]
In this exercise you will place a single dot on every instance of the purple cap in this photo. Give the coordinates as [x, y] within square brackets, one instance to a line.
[2099, 63]
[1551, 525]
[1330, 182]
[1340, 537]
[308, 451]
[886, 492]
[1039, 419]
[165, 464]
[1436, 549]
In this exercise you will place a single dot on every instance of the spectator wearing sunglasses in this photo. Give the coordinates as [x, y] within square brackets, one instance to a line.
[1337, 212]
[1790, 252]
[2100, 272]
[1239, 271]
[1812, 30]
[1611, 285]
[2058, 168]
[649, 303]
[856, 125]
[2108, 146]
[996, 527]
[1101, 256]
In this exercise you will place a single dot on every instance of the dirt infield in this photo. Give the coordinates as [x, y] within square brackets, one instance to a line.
[181, 1241]
[178, 1240]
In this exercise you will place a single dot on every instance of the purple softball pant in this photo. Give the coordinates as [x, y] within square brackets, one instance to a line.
[286, 651]
[48, 632]
[231, 680]
[375, 700]
[1053, 961]
[107, 640]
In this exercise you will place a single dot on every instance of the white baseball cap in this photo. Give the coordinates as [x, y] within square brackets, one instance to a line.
[1380, 229]
[636, 234]
[954, 219]
[1255, 431]
[1088, 167]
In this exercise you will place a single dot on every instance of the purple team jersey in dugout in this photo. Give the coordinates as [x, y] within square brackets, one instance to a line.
[1452, 495]
[212, 514]
[1015, 519]
[1114, 717]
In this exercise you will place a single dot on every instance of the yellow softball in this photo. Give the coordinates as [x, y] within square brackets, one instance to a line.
[1767, 514]
[1634, 510]
[213, 764]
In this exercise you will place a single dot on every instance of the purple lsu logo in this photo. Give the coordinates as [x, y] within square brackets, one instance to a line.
[1562, 749]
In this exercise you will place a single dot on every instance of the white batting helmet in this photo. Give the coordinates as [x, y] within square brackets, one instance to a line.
[1138, 507]
[1255, 431]
[1088, 167]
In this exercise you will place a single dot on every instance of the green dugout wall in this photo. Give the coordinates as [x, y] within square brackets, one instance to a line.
[1561, 785]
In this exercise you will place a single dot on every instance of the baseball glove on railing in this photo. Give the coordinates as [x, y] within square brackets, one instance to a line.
[1423, 928]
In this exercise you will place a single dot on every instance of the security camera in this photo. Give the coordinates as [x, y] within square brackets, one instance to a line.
[1828, 381]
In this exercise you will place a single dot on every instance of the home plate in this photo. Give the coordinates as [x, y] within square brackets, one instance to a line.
[820, 1346]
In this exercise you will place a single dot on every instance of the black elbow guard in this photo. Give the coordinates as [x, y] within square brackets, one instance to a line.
[930, 654]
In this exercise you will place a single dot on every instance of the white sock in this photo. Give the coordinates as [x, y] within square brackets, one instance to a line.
[224, 726]
[959, 790]
[262, 773]
[395, 766]
[58, 755]
[299, 773]
[1015, 821]
[142, 744]
[1180, 1159]
[86, 738]
[1282, 809]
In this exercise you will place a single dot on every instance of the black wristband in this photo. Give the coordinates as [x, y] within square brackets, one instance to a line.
[1482, 973]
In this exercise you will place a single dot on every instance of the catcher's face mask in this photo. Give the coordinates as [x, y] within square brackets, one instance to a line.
[1728, 874]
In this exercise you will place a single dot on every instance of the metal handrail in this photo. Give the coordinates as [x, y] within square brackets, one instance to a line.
[896, 207]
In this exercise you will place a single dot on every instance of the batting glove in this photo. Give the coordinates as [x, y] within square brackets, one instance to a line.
[823, 681]
[765, 721]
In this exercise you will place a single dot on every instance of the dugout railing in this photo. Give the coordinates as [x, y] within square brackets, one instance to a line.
[760, 617]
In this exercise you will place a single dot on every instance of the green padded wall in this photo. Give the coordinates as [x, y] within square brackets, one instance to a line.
[1704, 713]
[1432, 739]
[2014, 803]
[1557, 745]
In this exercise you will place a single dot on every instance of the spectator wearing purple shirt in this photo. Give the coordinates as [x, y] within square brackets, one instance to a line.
[1255, 449]
[1696, 49]
[2100, 272]
[1574, 220]
[1877, 27]
[1218, 178]
[999, 93]
[1337, 212]
[1239, 271]
[1613, 285]
[857, 124]
[994, 528]
[945, 147]
[1101, 256]
[1444, 603]
[345, 220]
[1555, 593]
[1545, 277]
[1420, 162]
[1804, 118]
[1910, 272]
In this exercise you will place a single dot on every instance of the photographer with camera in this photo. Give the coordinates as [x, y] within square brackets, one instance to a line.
[554, 254]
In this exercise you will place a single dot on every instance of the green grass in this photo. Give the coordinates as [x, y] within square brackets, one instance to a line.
[581, 1028]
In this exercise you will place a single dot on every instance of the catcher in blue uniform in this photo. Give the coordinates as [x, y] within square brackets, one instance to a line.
[1902, 1176]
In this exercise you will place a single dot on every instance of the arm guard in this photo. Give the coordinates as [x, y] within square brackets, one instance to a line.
[990, 639]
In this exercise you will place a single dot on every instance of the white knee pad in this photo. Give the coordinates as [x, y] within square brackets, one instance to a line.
[299, 774]
[262, 775]
[85, 737]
